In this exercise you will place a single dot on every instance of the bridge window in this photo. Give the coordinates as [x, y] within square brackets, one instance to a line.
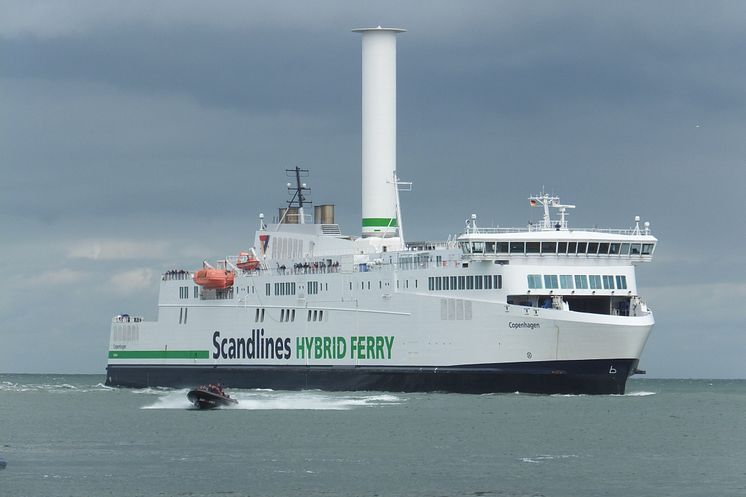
[603, 248]
[613, 248]
[561, 247]
[550, 281]
[581, 281]
[647, 248]
[501, 247]
[548, 247]
[534, 281]
[532, 247]
[595, 281]
[608, 282]
[635, 249]
[582, 246]
[489, 247]
[621, 282]
[572, 247]
[624, 249]
[592, 247]
[478, 247]
[517, 247]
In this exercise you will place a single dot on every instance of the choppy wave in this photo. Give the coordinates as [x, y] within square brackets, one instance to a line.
[546, 457]
[270, 400]
[10, 386]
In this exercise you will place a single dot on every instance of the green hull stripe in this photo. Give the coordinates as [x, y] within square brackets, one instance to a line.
[159, 354]
[382, 222]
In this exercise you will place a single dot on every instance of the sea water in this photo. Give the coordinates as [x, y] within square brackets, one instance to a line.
[73, 436]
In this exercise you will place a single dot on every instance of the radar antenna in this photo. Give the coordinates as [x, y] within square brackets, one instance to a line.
[547, 201]
[299, 198]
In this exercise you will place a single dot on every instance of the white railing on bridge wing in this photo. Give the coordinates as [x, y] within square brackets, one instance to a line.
[537, 228]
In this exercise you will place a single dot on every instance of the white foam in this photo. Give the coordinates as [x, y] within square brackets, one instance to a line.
[546, 457]
[151, 390]
[175, 399]
[639, 394]
[268, 400]
[8, 386]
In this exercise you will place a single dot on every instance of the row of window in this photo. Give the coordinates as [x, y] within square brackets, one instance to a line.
[287, 315]
[598, 248]
[287, 288]
[184, 292]
[413, 261]
[478, 282]
[315, 315]
[259, 317]
[578, 281]
[399, 283]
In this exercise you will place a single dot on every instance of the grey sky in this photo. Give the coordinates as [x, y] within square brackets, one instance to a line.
[136, 137]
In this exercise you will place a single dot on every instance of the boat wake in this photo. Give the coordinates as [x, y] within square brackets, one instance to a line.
[628, 394]
[270, 400]
[638, 394]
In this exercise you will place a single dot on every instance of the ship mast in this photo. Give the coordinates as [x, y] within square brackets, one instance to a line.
[297, 190]
[547, 201]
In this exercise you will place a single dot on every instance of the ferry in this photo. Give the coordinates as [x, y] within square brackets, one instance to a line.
[540, 309]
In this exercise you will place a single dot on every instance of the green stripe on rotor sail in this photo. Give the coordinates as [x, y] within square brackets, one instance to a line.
[379, 222]
[159, 354]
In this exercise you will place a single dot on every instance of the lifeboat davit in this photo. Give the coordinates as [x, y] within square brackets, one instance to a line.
[247, 262]
[214, 278]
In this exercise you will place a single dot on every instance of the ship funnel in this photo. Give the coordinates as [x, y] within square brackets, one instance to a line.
[379, 188]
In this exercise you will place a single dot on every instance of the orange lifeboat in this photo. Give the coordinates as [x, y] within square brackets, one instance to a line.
[214, 278]
[247, 262]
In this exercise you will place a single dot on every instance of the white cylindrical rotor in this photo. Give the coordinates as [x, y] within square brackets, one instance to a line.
[379, 132]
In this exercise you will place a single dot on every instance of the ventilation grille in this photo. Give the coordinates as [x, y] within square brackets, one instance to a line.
[330, 230]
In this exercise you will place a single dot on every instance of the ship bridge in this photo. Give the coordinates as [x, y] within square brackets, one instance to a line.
[553, 238]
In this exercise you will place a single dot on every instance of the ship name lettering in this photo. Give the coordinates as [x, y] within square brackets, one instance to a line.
[255, 347]
[523, 324]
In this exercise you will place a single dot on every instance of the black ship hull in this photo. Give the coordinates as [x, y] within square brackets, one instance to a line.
[598, 376]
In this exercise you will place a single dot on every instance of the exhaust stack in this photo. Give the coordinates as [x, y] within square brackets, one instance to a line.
[379, 188]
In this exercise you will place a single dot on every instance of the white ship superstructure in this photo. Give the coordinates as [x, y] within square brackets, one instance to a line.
[543, 308]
